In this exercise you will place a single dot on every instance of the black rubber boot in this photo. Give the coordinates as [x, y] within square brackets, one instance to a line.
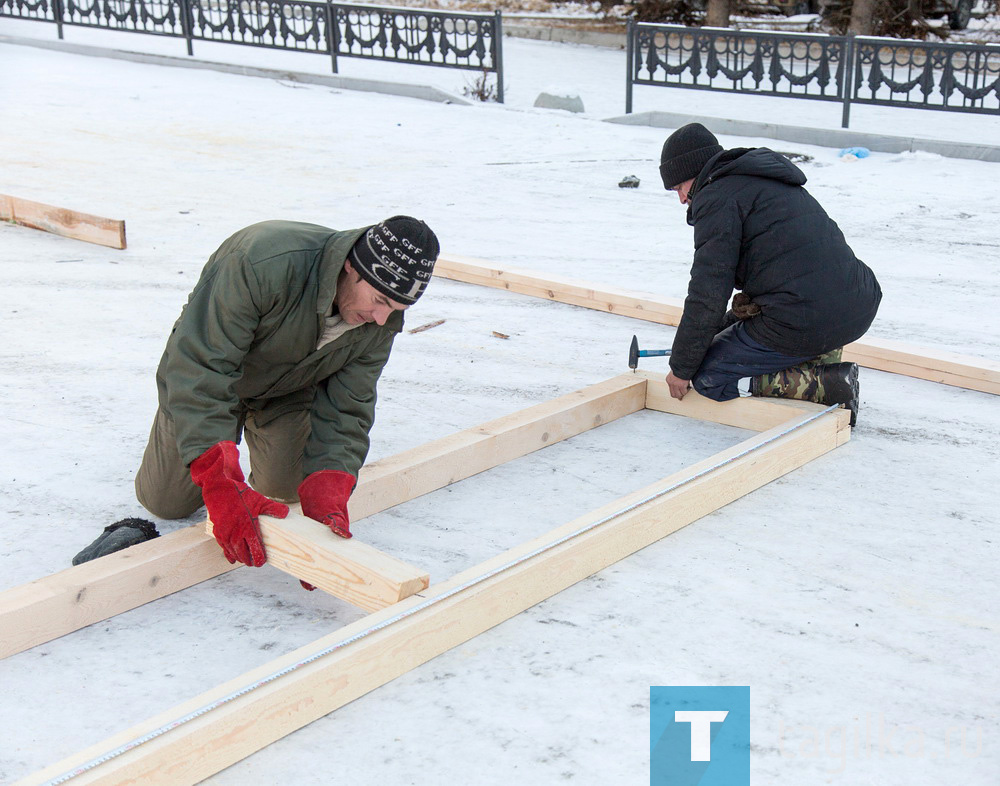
[118, 536]
[840, 386]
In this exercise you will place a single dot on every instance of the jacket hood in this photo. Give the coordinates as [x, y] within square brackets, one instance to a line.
[753, 161]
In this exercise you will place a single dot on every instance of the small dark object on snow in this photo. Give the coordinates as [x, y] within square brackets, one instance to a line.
[629, 181]
[798, 158]
[118, 536]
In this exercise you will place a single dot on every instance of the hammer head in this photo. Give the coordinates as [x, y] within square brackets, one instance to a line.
[633, 353]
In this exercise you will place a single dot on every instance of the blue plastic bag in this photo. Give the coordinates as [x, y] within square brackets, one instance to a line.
[857, 152]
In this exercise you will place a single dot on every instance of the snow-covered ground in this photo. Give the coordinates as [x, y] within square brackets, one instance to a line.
[858, 596]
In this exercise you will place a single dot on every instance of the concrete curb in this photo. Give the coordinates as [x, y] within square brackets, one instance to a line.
[824, 137]
[422, 92]
[564, 35]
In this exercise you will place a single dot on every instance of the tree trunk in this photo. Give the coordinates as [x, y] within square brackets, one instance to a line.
[862, 13]
[718, 12]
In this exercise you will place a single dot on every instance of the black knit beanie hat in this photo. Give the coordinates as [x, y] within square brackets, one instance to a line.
[397, 257]
[685, 152]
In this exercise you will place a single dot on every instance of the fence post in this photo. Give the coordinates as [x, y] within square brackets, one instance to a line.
[850, 52]
[187, 25]
[498, 52]
[57, 12]
[629, 54]
[332, 34]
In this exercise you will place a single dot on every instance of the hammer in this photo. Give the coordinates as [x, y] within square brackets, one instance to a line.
[634, 353]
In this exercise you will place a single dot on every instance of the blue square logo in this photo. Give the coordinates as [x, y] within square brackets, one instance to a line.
[699, 736]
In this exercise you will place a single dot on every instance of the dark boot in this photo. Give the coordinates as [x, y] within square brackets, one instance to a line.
[834, 383]
[839, 383]
[118, 536]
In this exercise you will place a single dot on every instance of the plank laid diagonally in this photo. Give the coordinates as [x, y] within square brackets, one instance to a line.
[214, 730]
[62, 221]
[53, 606]
[893, 356]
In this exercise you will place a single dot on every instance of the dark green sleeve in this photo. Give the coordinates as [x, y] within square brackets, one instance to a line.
[344, 410]
[204, 355]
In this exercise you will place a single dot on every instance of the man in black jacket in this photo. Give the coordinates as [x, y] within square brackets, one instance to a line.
[803, 292]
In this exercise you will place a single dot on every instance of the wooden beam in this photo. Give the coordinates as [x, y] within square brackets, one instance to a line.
[54, 606]
[641, 305]
[63, 221]
[437, 464]
[754, 414]
[349, 569]
[387, 644]
[935, 365]
[949, 368]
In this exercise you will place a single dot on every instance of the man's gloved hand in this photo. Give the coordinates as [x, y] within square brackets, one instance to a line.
[232, 505]
[324, 496]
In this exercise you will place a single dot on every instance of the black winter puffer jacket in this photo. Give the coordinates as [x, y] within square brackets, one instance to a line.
[758, 230]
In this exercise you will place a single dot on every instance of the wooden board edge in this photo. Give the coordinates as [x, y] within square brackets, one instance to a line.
[932, 364]
[388, 644]
[62, 221]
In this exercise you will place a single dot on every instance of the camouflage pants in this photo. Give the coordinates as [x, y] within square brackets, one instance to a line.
[798, 382]
[735, 355]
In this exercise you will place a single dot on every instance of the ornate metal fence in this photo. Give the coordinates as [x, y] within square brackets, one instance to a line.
[846, 69]
[470, 41]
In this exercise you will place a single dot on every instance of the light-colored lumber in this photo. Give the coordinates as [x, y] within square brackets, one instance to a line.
[665, 311]
[754, 414]
[936, 365]
[391, 645]
[437, 464]
[349, 569]
[50, 607]
[63, 221]
[53, 606]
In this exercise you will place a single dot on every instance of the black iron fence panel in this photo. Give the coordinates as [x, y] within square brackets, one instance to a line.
[957, 77]
[412, 36]
[470, 41]
[738, 61]
[274, 24]
[39, 10]
[847, 69]
[156, 17]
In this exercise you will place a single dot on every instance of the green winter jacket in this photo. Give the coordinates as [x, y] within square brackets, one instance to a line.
[246, 341]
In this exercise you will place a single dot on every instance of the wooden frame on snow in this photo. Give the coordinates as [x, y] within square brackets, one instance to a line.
[200, 737]
[936, 365]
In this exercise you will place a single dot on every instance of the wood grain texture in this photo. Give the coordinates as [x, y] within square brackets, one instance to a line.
[387, 644]
[349, 569]
[63, 221]
[896, 357]
[53, 606]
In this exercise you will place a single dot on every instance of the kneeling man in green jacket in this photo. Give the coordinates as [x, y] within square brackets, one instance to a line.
[282, 341]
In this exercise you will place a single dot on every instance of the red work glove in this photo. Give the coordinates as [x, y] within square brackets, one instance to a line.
[324, 496]
[232, 505]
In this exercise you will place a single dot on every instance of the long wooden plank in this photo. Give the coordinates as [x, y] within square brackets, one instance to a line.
[641, 305]
[63, 221]
[51, 607]
[936, 365]
[437, 464]
[390, 643]
[896, 357]
[350, 569]
[754, 414]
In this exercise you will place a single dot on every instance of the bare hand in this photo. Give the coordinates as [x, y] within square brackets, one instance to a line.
[678, 387]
